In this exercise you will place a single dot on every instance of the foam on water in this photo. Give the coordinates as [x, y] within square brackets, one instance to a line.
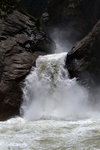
[50, 94]
[50, 97]
[20, 134]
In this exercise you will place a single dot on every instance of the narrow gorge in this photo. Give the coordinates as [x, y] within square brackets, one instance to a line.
[49, 75]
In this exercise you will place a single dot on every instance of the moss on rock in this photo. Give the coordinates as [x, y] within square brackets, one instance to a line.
[7, 6]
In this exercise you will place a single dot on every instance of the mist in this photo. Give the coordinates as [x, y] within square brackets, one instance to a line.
[64, 38]
[50, 94]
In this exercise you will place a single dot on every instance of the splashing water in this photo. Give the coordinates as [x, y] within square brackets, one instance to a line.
[20, 134]
[50, 94]
[55, 111]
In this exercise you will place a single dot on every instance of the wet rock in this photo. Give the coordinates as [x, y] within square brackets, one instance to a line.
[83, 61]
[20, 45]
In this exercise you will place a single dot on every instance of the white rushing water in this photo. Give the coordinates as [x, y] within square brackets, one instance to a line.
[56, 112]
[50, 94]
[20, 134]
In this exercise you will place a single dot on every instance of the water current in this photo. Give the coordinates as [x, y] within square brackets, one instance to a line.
[56, 114]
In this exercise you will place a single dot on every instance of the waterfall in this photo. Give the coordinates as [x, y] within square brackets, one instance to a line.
[49, 93]
[56, 113]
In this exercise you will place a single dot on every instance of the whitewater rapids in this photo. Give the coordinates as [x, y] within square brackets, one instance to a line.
[56, 114]
[49, 93]
[20, 134]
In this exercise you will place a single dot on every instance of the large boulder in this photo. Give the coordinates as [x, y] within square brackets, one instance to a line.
[21, 42]
[83, 61]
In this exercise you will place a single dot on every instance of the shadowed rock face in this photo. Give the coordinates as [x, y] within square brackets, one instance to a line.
[83, 61]
[75, 17]
[76, 9]
[7, 7]
[20, 44]
[34, 7]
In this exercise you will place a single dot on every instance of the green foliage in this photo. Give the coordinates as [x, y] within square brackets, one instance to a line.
[29, 15]
[7, 6]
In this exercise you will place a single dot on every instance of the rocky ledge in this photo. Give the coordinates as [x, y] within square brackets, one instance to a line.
[83, 61]
[21, 42]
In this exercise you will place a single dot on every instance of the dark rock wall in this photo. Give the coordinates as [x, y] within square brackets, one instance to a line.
[70, 10]
[83, 61]
[21, 42]
[74, 17]
[7, 7]
[34, 7]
